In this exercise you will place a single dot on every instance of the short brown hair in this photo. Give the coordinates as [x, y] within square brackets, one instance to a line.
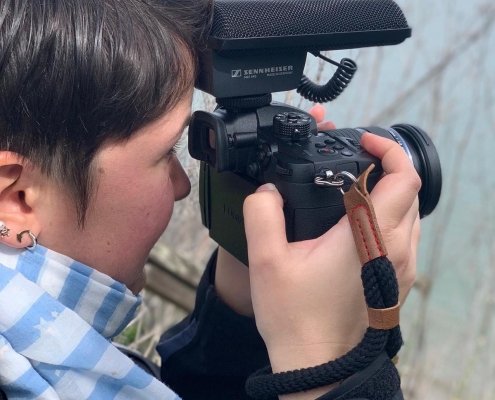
[74, 74]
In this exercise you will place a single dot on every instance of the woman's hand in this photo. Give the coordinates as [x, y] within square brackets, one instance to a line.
[307, 296]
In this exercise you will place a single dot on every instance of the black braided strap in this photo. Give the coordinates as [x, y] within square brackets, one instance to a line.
[381, 291]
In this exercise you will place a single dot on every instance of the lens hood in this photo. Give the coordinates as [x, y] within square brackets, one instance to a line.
[426, 156]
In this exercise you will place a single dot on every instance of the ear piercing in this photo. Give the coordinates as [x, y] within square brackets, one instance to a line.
[4, 231]
[33, 238]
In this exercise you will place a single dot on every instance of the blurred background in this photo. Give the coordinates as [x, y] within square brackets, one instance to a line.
[443, 80]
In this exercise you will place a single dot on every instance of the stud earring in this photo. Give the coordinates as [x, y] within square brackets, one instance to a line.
[4, 231]
[33, 238]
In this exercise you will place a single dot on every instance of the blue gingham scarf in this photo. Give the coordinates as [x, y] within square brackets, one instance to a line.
[56, 319]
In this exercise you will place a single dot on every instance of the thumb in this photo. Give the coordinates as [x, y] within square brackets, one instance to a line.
[265, 224]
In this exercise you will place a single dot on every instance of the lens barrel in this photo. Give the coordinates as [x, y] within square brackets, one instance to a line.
[423, 154]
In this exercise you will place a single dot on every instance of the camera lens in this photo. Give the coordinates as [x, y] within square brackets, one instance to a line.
[423, 154]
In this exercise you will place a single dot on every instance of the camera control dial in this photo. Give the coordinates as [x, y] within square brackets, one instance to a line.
[293, 125]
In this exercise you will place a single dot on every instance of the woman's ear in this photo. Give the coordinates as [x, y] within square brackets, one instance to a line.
[19, 193]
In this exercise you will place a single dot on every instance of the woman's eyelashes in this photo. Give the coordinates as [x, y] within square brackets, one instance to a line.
[178, 146]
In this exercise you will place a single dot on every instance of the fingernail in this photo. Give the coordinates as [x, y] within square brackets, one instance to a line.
[265, 187]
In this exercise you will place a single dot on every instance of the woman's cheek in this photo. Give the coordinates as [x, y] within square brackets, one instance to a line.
[162, 206]
[156, 197]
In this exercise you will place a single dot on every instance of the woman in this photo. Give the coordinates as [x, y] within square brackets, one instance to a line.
[94, 97]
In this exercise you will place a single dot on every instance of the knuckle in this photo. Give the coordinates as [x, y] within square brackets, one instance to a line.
[399, 248]
[259, 259]
[253, 201]
[416, 232]
[389, 235]
[407, 276]
[249, 201]
[402, 260]
[263, 260]
[415, 182]
[390, 224]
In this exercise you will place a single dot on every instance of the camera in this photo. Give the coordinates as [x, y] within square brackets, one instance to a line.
[250, 140]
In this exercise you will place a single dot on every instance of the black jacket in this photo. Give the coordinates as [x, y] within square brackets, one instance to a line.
[210, 354]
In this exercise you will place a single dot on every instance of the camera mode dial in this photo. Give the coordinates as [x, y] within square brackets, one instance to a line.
[293, 125]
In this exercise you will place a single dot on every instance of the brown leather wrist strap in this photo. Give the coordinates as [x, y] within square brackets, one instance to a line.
[369, 242]
[367, 236]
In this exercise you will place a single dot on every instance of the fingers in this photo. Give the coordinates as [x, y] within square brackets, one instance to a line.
[394, 159]
[402, 241]
[407, 223]
[318, 112]
[396, 192]
[416, 232]
[265, 224]
[407, 277]
[326, 126]
[413, 213]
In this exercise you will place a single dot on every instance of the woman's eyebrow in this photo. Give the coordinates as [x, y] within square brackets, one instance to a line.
[178, 134]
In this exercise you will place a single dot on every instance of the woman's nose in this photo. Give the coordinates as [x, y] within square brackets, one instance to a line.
[180, 180]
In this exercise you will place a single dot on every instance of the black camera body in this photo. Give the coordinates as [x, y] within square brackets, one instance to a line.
[257, 155]
[280, 144]
[250, 140]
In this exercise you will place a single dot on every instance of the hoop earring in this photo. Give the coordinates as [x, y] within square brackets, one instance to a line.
[33, 238]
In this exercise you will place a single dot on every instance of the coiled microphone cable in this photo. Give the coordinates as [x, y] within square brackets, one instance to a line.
[335, 86]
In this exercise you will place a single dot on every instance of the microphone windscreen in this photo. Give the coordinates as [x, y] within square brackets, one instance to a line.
[249, 19]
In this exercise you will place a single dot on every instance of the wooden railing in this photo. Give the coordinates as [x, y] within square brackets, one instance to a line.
[171, 277]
